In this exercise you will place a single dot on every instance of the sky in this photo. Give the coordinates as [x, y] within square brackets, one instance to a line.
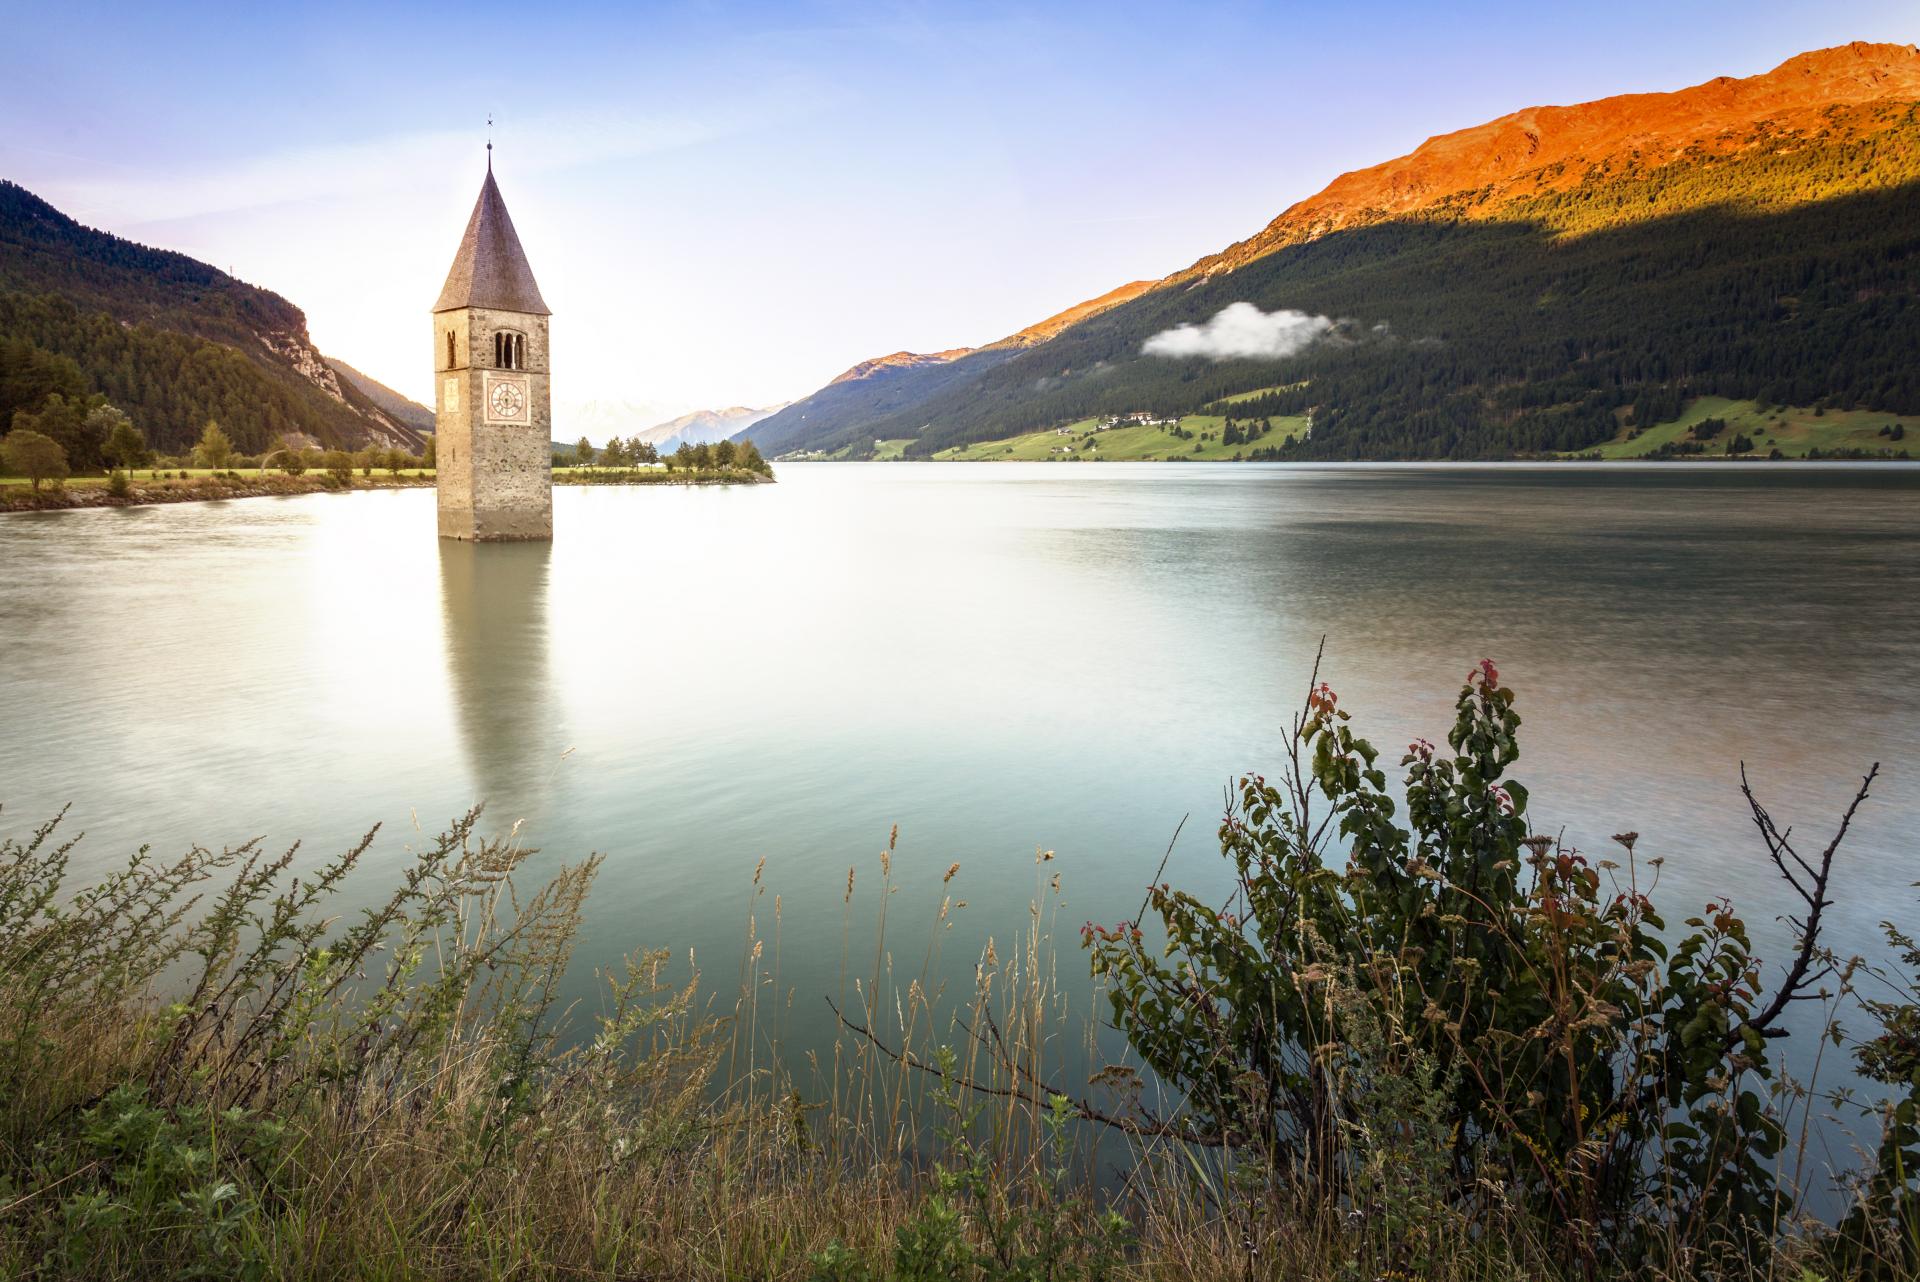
[731, 203]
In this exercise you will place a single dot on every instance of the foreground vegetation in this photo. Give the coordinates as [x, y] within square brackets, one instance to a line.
[1453, 1049]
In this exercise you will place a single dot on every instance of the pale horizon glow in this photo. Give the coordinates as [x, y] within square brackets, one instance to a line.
[729, 205]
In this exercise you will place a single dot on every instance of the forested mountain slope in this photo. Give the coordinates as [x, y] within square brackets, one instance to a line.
[401, 408]
[885, 384]
[171, 340]
[1521, 287]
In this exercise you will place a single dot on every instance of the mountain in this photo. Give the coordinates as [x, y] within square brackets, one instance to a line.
[703, 427]
[600, 420]
[410, 412]
[1522, 286]
[887, 385]
[171, 340]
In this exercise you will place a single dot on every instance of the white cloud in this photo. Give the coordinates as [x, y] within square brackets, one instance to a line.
[1241, 330]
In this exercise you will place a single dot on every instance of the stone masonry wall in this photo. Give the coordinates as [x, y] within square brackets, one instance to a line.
[495, 479]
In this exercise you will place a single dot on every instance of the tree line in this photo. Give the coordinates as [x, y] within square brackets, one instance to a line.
[704, 457]
[90, 435]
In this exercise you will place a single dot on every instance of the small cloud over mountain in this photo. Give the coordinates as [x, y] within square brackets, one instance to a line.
[1242, 331]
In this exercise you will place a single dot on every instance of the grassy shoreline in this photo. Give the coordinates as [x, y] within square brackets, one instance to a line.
[195, 486]
[1796, 432]
[200, 485]
[659, 476]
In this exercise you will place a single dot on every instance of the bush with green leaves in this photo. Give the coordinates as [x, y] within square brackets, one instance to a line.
[1881, 1236]
[1580, 1059]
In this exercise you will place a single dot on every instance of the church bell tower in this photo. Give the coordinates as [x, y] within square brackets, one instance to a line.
[493, 417]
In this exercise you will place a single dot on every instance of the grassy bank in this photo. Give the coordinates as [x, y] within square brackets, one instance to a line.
[660, 476]
[189, 485]
[208, 1069]
[1196, 437]
[1704, 430]
[1794, 431]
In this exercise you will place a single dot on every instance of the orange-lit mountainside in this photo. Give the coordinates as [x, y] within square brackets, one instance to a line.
[1521, 287]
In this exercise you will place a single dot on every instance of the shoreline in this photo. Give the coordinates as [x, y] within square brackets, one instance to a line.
[207, 489]
[199, 489]
[1739, 462]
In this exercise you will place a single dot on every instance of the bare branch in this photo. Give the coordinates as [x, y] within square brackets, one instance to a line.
[1149, 1127]
[1161, 869]
[1800, 975]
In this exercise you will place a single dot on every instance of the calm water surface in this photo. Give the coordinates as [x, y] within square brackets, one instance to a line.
[996, 658]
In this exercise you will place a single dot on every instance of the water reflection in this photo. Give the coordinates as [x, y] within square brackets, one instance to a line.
[494, 606]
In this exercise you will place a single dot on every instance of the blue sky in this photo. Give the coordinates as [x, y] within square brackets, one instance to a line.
[731, 203]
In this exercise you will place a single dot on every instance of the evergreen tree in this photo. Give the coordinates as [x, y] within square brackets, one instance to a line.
[126, 445]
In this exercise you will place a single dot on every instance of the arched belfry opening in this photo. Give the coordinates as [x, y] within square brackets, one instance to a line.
[509, 350]
[450, 361]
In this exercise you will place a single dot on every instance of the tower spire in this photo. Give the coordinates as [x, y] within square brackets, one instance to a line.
[489, 142]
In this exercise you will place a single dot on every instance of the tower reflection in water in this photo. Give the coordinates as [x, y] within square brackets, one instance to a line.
[494, 602]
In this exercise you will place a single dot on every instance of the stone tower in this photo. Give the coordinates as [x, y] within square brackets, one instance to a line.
[493, 418]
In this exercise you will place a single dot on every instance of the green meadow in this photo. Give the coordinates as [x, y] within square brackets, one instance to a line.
[1793, 430]
[1200, 441]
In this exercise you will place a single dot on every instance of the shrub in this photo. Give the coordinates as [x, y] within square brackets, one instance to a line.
[117, 484]
[1609, 1079]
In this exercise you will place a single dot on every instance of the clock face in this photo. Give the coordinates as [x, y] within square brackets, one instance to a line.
[508, 401]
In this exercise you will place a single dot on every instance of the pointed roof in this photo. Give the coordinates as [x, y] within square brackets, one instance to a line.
[491, 269]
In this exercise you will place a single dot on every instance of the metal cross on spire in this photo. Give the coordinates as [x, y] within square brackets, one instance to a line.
[489, 142]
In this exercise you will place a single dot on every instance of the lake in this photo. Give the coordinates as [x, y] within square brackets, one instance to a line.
[997, 658]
